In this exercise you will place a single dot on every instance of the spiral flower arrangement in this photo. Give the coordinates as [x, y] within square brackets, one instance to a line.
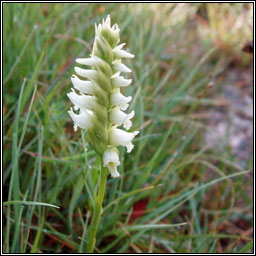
[100, 105]
[99, 108]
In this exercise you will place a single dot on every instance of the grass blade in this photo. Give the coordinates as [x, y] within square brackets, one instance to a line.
[38, 235]
[15, 162]
[29, 203]
[19, 57]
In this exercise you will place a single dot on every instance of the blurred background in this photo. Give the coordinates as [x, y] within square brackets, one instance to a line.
[187, 185]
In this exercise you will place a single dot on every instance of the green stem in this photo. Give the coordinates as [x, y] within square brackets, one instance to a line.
[98, 199]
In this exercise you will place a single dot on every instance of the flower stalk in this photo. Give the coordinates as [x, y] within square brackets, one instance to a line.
[98, 200]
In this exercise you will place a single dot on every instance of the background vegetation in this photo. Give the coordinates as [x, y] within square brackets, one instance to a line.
[187, 185]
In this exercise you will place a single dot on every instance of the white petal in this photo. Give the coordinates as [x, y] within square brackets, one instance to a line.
[75, 127]
[118, 66]
[115, 31]
[119, 47]
[83, 120]
[115, 27]
[81, 85]
[85, 111]
[129, 147]
[119, 99]
[107, 22]
[115, 75]
[111, 161]
[87, 73]
[102, 42]
[99, 30]
[96, 29]
[115, 34]
[127, 122]
[93, 61]
[120, 81]
[120, 137]
[82, 101]
[118, 117]
[122, 54]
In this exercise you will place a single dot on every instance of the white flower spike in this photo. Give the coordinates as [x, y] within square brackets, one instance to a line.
[100, 104]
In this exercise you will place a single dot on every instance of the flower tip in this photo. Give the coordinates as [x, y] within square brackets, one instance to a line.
[115, 175]
[136, 133]
[73, 78]
[129, 148]
[131, 115]
[107, 19]
[127, 82]
[79, 60]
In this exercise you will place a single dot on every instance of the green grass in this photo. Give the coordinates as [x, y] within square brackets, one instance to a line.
[193, 194]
